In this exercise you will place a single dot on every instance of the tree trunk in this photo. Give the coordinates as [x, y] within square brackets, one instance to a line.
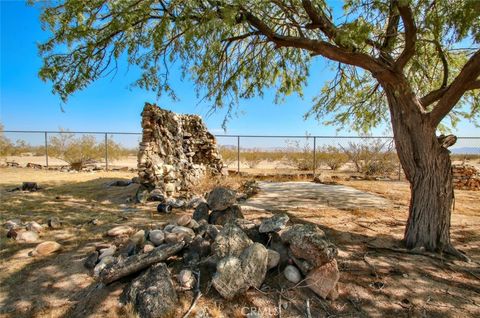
[427, 167]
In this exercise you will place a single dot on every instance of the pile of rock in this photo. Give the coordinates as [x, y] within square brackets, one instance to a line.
[176, 151]
[466, 177]
[233, 253]
[30, 232]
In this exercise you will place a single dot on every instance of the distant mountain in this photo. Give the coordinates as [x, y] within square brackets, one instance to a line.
[466, 150]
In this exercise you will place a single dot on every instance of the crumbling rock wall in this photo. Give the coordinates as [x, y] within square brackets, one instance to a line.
[176, 151]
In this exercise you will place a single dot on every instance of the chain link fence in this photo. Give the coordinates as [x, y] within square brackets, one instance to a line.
[247, 154]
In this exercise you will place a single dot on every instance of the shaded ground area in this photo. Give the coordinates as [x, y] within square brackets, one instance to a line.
[378, 279]
[287, 195]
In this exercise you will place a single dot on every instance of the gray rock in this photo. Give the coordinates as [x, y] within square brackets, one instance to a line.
[186, 279]
[231, 241]
[274, 224]
[91, 260]
[184, 220]
[13, 224]
[54, 223]
[212, 231]
[107, 252]
[221, 198]
[292, 274]
[152, 293]
[193, 224]
[195, 202]
[156, 195]
[201, 212]
[104, 262]
[307, 241]
[223, 217]
[156, 237]
[228, 280]
[138, 238]
[173, 237]
[34, 226]
[273, 259]
[186, 231]
[169, 227]
[27, 236]
[254, 264]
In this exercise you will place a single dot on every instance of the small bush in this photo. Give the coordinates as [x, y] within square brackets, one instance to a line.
[332, 157]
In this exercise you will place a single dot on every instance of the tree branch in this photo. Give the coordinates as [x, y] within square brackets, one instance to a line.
[466, 80]
[318, 47]
[319, 20]
[410, 35]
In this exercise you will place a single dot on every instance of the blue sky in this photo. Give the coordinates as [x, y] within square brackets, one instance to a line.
[110, 105]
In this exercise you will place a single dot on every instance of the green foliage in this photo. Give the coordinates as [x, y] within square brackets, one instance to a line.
[229, 59]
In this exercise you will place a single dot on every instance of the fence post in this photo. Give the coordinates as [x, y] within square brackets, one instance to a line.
[238, 155]
[46, 149]
[314, 156]
[106, 152]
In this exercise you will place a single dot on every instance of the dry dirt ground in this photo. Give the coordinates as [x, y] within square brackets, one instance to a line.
[378, 279]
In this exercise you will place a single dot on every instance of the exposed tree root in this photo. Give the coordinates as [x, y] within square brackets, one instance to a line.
[450, 250]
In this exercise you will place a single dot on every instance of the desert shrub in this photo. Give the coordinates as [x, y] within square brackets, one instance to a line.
[300, 154]
[372, 156]
[78, 151]
[331, 156]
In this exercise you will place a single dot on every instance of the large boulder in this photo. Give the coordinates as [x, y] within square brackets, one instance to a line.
[323, 280]
[201, 212]
[307, 242]
[228, 280]
[274, 224]
[223, 217]
[152, 293]
[231, 241]
[254, 264]
[221, 198]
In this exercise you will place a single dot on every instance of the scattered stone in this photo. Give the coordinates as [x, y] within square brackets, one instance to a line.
[54, 223]
[147, 248]
[221, 198]
[227, 280]
[308, 242]
[128, 249]
[120, 230]
[27, 236]
[46, 248]
[91, 260]
[292, 274]
[186, 231]
[12, 233]
[195, 202]
[169, 227]
[201, 212]
[274, 224]
[152, 293]
[251, 229]
[186, 279]
[176, 203]
[107, 260]
[200, 246]
[223, 217]
[212, 231]
[138, 238]
[304, 266]
[13, 224]
[231, 241]
[273, 259]
[193, 224]
[30, 186]
[184, 220]
[107, 252]
[156, 195]
[254, 264]
[323, 280]
[173, 238]
[156, 237]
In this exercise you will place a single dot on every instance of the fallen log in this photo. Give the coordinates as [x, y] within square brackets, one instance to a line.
[138, 262]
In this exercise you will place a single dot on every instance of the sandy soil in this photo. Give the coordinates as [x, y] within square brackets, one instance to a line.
[378, 278]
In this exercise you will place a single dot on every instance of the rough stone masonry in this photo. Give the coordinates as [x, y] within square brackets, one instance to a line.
[176, 151]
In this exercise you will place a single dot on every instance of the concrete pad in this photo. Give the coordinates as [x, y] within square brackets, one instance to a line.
[288, 195]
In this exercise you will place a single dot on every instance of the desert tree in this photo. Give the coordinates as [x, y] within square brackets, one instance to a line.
[415, 63]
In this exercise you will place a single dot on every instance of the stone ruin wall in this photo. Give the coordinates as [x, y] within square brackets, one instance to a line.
[176, 151]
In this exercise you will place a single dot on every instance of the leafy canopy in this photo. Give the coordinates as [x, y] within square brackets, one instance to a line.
[238, 48]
